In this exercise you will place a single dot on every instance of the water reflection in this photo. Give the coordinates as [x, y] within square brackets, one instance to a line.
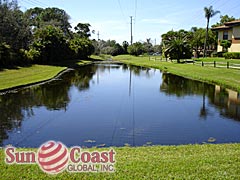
[117, 105]
[15, 107]
[226, 100]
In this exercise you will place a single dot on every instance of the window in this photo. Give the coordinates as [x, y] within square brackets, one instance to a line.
[225, 35]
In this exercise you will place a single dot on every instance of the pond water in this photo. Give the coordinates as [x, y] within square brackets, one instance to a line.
[117, 105]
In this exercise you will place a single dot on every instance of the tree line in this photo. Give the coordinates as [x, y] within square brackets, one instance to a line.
[40, 35]
[45, 36]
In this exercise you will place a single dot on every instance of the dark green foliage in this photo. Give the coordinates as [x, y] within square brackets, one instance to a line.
[225, 44]
[223, 20]
[50, 43]
[232, 55]
[125, 45]
[82, 47]
[136, 49]
[40, 35]
[109, 47]
[176, 45]
[83, 30]
[14, 30]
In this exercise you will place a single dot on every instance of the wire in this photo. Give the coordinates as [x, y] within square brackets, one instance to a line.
[122, 12]
[135, 13]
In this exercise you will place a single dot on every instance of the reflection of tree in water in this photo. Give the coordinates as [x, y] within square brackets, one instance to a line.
[54, 96]
[227, 101]
[82, 77]
[138, 71]
[176, 85]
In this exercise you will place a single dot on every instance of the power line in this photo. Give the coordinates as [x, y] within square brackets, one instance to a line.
[121, 9]
[135, 13]
[135, 17]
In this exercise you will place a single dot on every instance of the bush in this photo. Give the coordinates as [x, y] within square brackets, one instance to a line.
[232, 55]
[136, 49]
[32, 54]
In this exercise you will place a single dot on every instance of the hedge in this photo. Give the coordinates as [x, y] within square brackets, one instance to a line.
[232, 55]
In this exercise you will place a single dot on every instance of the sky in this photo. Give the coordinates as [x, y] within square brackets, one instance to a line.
[151, 18]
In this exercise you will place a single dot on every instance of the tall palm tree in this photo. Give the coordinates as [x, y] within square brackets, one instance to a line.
[209, 13]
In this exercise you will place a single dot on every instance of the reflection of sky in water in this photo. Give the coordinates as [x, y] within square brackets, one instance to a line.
[109, 105]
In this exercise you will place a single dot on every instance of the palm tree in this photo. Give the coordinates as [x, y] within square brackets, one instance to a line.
[209, 13]
[176, 44]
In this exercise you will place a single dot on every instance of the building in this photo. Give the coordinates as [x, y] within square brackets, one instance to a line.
[229, 31]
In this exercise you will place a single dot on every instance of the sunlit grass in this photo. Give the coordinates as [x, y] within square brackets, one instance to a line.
[221, 76]
[27, 75]
[20, 76]
[157, 162]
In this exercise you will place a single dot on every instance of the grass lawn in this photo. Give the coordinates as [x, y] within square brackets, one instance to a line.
[221, 76]
[223, 60]
[36, 73]
[157, 162]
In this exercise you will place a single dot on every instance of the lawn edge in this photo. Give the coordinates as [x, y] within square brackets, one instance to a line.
[209, 81]
[27, 85]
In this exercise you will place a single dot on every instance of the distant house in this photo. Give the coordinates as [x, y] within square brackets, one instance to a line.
[230, 31]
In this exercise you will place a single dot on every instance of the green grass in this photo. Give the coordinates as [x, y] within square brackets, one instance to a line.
[157, 162]
[222, 60]
[221, 76]
[27, 75]
[20, 76]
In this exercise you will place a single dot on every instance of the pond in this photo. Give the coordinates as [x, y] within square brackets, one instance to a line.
[117, 105]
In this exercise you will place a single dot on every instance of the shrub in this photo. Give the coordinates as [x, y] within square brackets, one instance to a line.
[136, 49]
[232, 55]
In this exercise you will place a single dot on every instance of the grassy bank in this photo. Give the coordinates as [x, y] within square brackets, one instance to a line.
[221, 76]
[20, 76]
[159, 162]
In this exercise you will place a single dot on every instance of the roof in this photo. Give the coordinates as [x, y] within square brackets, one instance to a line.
[236, 22]
[227, 25]
[221, 28]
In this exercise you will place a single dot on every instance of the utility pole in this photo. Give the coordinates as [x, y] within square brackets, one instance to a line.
[98, 35]
[131, 30]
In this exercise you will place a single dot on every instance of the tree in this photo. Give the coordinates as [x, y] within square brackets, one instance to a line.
[82, 47]
[225, 44]
[209, 13]
[125, 45]
[15, 33]
[176, 45]
[83, 30]
[136, 49]
[39, 18]
[14, 30]
[157, 48]
[224, 19]
[33, 17]
[148, 47]
[51, 44]
[197, 40]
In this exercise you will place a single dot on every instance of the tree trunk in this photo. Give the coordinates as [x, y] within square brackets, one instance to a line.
[206, 38]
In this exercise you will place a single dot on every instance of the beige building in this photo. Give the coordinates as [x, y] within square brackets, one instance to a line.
[230, 31]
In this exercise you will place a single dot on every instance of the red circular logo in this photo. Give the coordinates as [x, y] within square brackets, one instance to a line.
[53, 157]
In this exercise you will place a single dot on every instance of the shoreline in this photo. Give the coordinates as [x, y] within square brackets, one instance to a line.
[180, 70]
[36, 83]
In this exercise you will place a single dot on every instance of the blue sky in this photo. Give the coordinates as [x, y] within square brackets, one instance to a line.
[151, 17]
